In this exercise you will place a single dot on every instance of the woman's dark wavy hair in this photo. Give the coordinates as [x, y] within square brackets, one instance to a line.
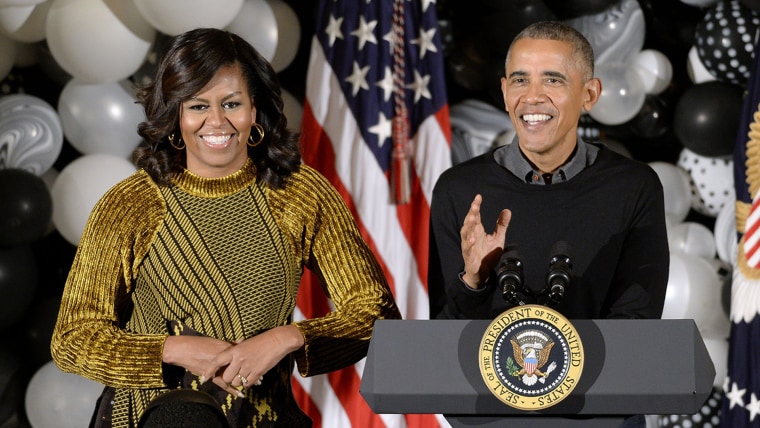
[189, 62]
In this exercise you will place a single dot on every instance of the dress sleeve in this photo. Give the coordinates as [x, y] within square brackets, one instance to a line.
[332, 247]
[89, 338]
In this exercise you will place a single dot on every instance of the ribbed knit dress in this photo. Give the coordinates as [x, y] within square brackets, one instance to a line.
[221, 258]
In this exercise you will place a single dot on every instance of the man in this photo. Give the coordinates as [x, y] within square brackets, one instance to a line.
[548, 187]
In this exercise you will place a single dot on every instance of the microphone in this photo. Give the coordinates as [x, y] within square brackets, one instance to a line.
[559, 275]
[509, 273]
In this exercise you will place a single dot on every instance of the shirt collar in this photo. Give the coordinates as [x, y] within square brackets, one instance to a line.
[511, 158]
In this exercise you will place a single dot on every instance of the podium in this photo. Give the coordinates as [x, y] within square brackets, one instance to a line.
[630, 367]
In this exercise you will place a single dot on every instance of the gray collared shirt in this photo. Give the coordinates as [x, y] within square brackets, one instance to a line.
[510, 157]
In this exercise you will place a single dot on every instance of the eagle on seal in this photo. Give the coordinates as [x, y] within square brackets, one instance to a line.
[531, 360]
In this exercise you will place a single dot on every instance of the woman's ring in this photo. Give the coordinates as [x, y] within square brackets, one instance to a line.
[243, 380]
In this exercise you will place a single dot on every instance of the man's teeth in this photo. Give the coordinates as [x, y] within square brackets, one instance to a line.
[216, 139]
[536, 117]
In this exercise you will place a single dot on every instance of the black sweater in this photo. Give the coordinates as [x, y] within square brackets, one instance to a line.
[611, 215]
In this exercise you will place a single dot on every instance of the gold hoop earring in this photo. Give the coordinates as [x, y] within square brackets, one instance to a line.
[260, 130]
[180, 145]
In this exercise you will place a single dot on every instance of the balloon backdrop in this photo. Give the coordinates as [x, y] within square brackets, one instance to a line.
[100, 117]
[173, 17]
[78, 188]
[31, 135]
[27, 207]
[55, 399]
[110, 47]
[18, 282]
[725, 40]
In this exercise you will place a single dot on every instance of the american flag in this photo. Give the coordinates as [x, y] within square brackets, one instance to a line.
[741, 402]
[376, 124]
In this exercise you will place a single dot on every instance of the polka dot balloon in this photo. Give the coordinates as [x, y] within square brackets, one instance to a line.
[725, 40]
[712, 181]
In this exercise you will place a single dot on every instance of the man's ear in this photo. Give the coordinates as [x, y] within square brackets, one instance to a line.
[504, 93]
[593, 90]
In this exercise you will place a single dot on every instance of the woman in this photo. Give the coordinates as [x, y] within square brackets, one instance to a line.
[187, 271]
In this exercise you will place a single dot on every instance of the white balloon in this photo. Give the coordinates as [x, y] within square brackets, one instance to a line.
[726, 239]
[100, 117]
[174, 17]
[257, 24]
[676, 188]
[622, 94]
[13, 17]
[98, 42]
[25, 24]
[693, 291]
[717, 348]
[655, 70]
[79, 186]
[696, 70]
[288, 34]
[692, 238]
[55, 399]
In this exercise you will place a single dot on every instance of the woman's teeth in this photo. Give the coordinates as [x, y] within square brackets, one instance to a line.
[216, 139]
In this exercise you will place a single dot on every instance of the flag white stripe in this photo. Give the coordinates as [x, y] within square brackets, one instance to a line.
[368, 186]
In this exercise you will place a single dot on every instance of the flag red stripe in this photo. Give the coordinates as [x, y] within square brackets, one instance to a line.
[307, 404]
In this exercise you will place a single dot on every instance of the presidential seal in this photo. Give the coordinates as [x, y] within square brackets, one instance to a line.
[531, 357]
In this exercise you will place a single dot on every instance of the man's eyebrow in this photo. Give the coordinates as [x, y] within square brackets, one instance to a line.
[556, 74]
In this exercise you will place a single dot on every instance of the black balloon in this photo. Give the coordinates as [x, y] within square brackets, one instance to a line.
[654, 118]
[27, 207]
[18, 283]
[706, 118]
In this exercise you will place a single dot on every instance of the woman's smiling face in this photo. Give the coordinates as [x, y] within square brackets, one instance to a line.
[216, 123]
